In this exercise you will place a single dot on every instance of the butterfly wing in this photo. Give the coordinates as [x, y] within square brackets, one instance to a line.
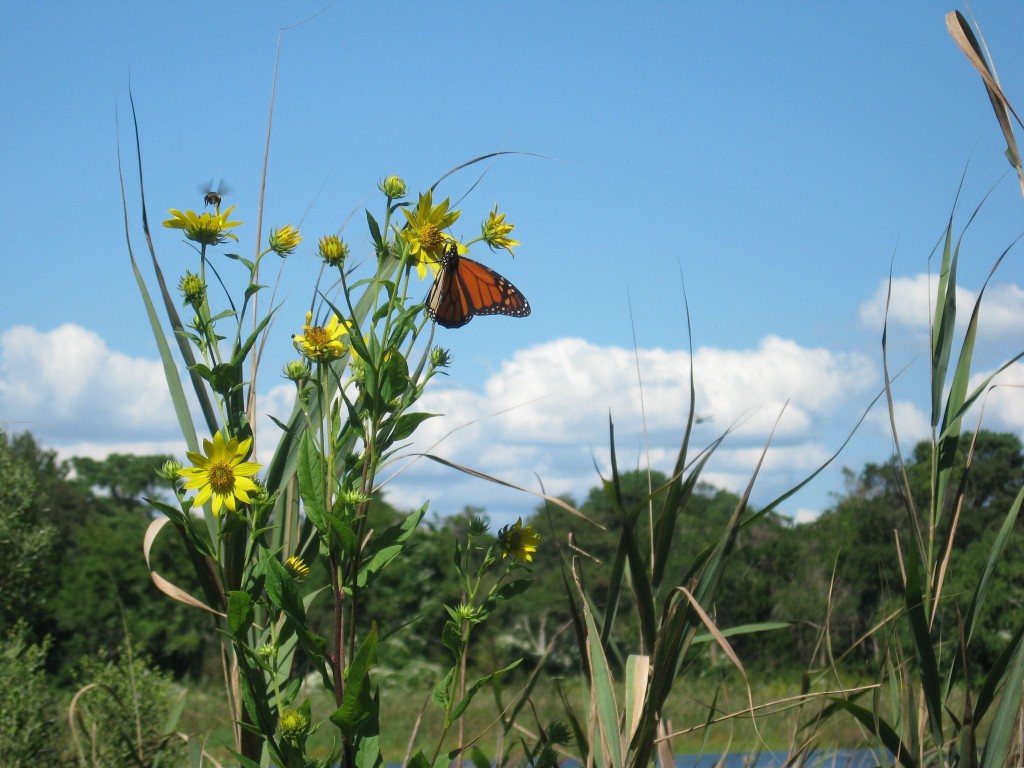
[445, 302]
[465, 288]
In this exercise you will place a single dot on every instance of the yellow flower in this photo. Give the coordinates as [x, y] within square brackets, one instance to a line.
[204, 228]
[285, 240]
[495, 231]
[294, 724]
[424, 234]
[221, 473]
[321, 344]
[518, 541]
[333, 250]
[297, 567]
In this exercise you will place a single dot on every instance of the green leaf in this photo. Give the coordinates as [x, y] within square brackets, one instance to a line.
[441, 693]
[994, 556]
[744, 629]
[283, 592]
[511, 589]
[341, 536]
[460, 708]
[357, 704]
[407, 423]
[383, 549]
[603, 692]
[310, 472]
[929, 671]
[240, 612]
[243, 761]
[225, 378]
[378, 241]
[451, 639]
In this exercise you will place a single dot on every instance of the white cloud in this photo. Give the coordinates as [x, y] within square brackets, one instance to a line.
[912, 423]
[543, 414]
[69, 386]
[806, 516]
[911, 302]
[1003, 401]
[912, 305]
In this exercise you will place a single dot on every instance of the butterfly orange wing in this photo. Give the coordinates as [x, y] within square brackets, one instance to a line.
[465, 288]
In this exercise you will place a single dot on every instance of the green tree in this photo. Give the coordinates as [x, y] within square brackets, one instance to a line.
[27, 707]
[27, 543]
[104, 583]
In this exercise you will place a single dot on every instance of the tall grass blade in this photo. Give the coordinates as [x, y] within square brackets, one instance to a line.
[962, 35]
[1004, 723]
[889, 738]
[184, 348]
[925, 651]
[679, 490]
[601, 680]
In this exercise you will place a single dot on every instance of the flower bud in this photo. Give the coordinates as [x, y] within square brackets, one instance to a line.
[393, 186]
[297, 567]
[333, 250]
[169, 470]
[440, 357]
[296, 370]
[285, 240]
[294, 725]
[192, 288]
[495, 232]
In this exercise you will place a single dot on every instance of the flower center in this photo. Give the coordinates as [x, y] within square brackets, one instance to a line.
[222, 478]
[430, 236]
[317, 336]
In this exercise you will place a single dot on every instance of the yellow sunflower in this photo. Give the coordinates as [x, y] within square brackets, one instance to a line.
[204, 228]
[424, 234]
[495, 232]
[518, 541]
[221, 473]
[321, 343]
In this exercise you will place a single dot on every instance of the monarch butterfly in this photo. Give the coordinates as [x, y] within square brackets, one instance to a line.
[464, 288]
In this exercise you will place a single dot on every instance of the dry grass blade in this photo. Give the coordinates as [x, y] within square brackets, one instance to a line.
[962, 35]
[163, 584]
[484, 476]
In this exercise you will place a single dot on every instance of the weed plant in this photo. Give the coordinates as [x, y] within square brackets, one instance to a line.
[298, 695]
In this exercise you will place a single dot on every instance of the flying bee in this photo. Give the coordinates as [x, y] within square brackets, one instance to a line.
[214, 195]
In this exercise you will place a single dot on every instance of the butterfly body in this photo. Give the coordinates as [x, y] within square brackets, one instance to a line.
[465, 288]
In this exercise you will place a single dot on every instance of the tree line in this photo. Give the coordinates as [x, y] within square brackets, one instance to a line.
[72, 570]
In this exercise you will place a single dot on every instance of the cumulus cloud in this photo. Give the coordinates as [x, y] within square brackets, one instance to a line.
[68, 385]
[912, 305]
[1003, 401]
[542, 417]
[545, 413]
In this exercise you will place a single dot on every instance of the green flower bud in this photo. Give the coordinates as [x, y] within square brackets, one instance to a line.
[296, 370]
[193, 289]
[294, 725]
[393, 186]
[440, 357]
[169, 470]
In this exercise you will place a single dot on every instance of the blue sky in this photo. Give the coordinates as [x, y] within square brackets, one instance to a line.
[775, 157]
